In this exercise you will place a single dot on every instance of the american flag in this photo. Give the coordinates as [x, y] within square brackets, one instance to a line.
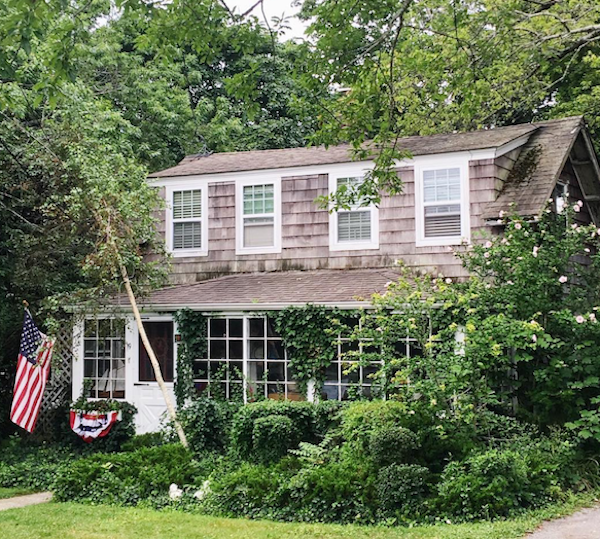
[33, 368]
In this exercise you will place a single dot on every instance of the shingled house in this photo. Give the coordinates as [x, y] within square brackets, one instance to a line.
[247, 238]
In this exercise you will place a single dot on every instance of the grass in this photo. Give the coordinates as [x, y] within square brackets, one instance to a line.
[13, 491]
[73, 521]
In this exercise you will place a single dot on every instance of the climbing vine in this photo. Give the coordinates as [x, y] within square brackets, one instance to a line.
[193, 328]
[310, 334]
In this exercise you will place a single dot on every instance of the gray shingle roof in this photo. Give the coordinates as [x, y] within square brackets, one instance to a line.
[337, 287]
[319, 155]
[537, 169]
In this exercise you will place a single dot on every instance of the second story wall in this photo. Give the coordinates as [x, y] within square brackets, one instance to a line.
[306, 241]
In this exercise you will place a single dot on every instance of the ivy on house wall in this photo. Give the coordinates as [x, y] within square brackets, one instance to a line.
[193, 328]
[310, 334]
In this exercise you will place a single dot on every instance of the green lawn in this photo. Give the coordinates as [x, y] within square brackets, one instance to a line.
[13, 491]
[70, 521]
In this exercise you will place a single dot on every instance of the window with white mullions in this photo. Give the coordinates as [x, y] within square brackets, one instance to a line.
[104, 358]
[259, 215]
[354, 228]
[187, 220]
[246, 360]
[442, 203]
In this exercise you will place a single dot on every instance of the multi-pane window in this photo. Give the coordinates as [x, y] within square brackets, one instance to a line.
[349, 376]
[187, 219]
[104, 358]
[258, 216]
[268, 374]
[442, 203]
[354, 224]
[246, 359]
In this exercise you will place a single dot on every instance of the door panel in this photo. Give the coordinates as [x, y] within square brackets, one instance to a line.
[148, 398]
[160, 335]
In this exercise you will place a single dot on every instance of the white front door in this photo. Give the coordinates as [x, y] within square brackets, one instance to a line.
[147, 396]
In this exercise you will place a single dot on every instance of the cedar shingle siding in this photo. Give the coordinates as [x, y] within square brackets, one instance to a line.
[494, 186]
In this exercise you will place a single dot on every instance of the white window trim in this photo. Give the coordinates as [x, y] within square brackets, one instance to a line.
[356, 245]
[239, 215]
[441, 163]
[188, 186]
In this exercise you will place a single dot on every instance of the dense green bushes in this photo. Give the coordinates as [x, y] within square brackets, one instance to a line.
[127, 478]
[363, 462]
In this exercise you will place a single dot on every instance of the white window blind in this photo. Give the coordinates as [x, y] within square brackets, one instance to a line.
[187, 219]
[354, 224]
[259, 215]
[442, 203]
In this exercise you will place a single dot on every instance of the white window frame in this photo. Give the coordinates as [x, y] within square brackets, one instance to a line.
[239, 215]
[169, 224]
[442, 163]
[356, 245]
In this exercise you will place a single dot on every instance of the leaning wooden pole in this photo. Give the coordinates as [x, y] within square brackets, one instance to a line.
[155, 365]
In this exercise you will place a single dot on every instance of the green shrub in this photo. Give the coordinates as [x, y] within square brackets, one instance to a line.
[127, 478]
[401, 489]
[206, 423]
[490, 484]
[32, 466]
[360, 419]
[251, 490]
[301, 414]
[273, 436]
[392, 444]
[341, 491]
[327, 416]
[149, 439]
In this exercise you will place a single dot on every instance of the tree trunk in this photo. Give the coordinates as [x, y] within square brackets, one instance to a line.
[155, 365]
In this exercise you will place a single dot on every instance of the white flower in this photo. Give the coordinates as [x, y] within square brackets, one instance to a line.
[598, 231]
[501, 214]
[563, 279]
[580, 203]
[592, 317]
[488, 244]
[576, 208]
[175, 492]
[535, 251]
[518, 226]
[486, 254]
[380, 330]
[509, 282]
[586, 250]
[574, 226]
[504, 241]
[204, 490]
[534, 337]
[448, 281]
[580, 319]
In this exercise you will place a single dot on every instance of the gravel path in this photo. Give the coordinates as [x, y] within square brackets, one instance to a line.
[584, 524]
[24, 501]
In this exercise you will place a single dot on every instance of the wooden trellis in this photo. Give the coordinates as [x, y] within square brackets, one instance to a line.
[58, 388]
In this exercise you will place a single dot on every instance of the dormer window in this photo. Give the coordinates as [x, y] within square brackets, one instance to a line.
[258, 216]
[186, 222]
[560, 195]
[442, 207]
[356, 228]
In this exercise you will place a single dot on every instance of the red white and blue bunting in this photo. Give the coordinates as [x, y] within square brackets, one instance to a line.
[92, 425]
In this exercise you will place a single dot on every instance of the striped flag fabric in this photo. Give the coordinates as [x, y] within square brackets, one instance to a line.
[33, 368]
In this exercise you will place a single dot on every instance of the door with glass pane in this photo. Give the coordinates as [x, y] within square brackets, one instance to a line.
[148, 397]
